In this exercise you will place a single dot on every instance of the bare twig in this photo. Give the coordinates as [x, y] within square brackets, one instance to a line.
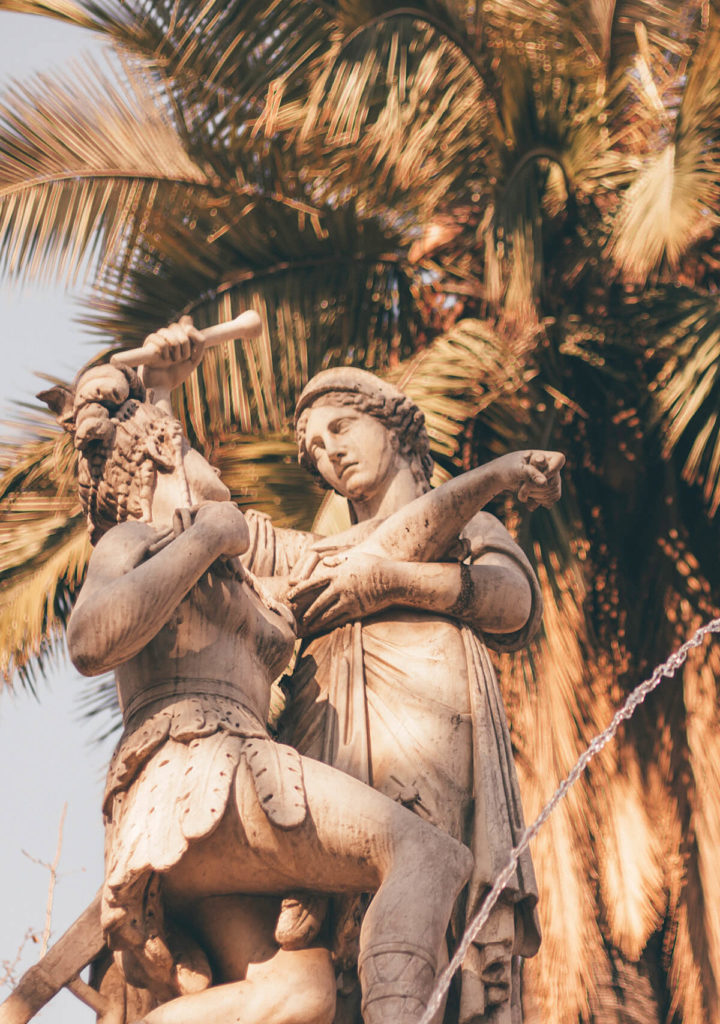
[51, 884]
[52, 868]
[9, 967]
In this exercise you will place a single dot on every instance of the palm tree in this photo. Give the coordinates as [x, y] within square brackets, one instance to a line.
[512, 210]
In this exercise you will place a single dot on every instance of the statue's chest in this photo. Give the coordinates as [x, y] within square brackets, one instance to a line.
[223, 623]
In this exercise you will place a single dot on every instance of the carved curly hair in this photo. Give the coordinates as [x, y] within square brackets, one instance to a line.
[396, 412]
[121, 440]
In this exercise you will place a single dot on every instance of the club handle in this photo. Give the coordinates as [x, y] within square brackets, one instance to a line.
[246, 325]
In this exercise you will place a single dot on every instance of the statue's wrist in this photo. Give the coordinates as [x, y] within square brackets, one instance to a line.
[505, 474]
[212, 537]
[398, 583]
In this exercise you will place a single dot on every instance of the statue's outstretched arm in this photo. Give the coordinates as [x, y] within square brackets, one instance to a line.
[400, 562]
[426, 528]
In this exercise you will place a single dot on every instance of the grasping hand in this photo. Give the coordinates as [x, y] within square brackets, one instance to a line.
[182, 520]
[534, 475]
[226, 526]
[222, 521]
[535, 492]
[177, 350]
[141, 545]
[343, 587]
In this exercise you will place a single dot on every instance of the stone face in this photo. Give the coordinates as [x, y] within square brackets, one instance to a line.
[222, 844]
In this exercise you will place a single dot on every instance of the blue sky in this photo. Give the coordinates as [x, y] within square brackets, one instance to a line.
[47, 751]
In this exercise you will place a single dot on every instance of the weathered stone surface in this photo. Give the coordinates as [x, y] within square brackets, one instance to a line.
[222, 845]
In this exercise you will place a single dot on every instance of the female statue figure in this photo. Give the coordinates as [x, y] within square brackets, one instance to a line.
[206, 816]
[394, 684]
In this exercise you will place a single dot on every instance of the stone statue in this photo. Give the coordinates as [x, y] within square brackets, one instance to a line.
[394, 684]
[209, 822]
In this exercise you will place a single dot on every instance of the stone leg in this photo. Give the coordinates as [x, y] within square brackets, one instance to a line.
[294, 987]
[273, 986]
[353, 839]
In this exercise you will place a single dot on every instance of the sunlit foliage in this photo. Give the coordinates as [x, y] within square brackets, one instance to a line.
[511, 208]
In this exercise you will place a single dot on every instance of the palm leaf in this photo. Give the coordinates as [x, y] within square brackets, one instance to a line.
[213, 52]
[494, 164]
[265, 475]
[630, 857]
[78, 177]
[690, 939]
[685, 327]
[700, 916]
[43, 542]
[604, 30]
[674, 200]
[388, 114]
[36, 600]
[95, 16]
[459, 376]
[552, 719]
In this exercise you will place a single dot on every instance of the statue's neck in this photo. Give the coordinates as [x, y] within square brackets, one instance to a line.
[401, 488]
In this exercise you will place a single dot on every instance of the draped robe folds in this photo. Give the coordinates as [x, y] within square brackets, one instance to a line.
[408, 702]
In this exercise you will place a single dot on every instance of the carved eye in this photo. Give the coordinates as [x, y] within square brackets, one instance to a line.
[342, 426]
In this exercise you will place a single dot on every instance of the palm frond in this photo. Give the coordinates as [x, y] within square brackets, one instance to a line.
[630, 860]
[552, 719]
[43, 540]
[695, 951]
[43, 567]
[99, 17]
[264, 474]
[602, 30]
[390, 114]
[459, 376]
[219, 56]
[674, 200]
[685, 327]
[79, 177]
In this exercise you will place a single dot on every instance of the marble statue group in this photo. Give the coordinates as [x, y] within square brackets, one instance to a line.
[324, 874]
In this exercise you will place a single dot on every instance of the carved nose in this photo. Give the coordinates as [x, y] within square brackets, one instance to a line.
[334, 449]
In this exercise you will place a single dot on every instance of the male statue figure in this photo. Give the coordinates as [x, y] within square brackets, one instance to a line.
[206, 816]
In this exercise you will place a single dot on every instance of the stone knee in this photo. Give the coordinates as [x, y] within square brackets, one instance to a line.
[295, 987]
[405, 924]
[432, 851]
